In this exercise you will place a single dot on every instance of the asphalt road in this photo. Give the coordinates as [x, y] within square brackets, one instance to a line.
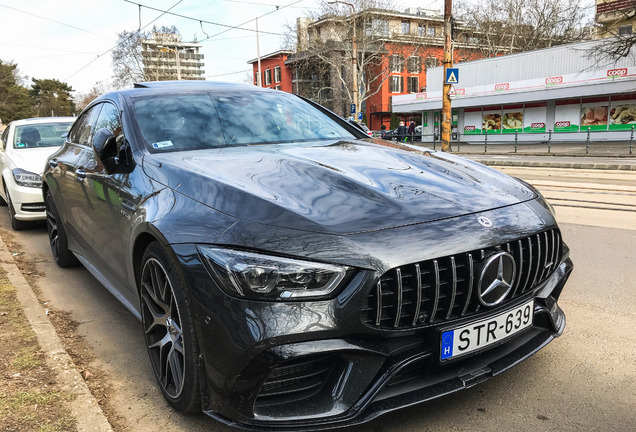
[585, 380]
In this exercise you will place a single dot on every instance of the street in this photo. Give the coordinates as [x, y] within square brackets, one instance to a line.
[585, 380]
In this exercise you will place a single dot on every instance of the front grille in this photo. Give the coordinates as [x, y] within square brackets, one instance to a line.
[433, 291]
[295, 381]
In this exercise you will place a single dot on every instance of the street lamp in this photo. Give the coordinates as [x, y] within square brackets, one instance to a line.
[354, 60]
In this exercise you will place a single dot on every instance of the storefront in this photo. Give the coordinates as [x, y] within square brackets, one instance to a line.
[559, 105]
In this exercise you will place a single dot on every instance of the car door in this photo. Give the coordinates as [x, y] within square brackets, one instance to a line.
[109, 204]
[67, 179]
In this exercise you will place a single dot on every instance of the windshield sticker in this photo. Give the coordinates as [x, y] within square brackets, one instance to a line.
[162, 144]
[20, 145]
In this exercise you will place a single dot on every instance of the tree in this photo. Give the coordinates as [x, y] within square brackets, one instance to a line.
[509, 26]
[52, 98]
[127, 56]
[84, 99]
[15, 101]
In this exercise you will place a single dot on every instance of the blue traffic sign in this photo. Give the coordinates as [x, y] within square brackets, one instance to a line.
[360, 115]
[452, 76]
[353, 108]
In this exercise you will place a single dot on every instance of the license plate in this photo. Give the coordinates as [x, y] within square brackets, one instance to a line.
[474, 336]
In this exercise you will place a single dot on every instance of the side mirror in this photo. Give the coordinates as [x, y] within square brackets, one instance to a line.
[105, 144]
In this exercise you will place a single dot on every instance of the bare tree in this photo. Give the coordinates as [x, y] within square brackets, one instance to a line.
[508, 26]
[620, 39]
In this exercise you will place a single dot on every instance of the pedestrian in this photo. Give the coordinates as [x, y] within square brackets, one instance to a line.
[411, 130]
[401, 132]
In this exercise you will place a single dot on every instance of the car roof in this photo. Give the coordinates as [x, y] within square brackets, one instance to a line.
[39, 120]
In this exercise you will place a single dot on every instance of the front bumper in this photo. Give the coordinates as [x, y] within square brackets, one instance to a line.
[314, 365]
[27, 202]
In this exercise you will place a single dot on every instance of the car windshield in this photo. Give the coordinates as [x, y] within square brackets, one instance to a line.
[40, 135]
[221, 119]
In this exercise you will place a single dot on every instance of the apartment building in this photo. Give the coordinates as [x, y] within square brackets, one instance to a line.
[167, 57]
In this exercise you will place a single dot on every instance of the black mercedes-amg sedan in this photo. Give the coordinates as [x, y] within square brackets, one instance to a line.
[290, 272]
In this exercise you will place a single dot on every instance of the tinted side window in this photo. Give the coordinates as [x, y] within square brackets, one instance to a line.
[84, 128]
[4, 137]
[109, 119]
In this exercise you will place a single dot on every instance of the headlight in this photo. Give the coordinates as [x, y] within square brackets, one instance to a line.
[263, 277]
[27, 178]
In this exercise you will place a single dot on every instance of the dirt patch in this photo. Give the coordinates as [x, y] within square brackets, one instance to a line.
[72, 341]
[30, 397]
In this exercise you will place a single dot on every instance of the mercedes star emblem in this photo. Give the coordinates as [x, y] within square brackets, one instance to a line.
[496, 279]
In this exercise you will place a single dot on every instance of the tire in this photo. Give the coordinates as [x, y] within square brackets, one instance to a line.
[16, 224]
[169, 331]
[57, 235]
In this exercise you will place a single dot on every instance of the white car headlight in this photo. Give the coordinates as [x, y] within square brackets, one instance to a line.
[26, 178]
[264, 277]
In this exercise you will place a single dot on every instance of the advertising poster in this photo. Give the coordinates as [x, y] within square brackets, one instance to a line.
[622, 115]
[491, 121]
[534, 119]
[567, 115]
[472, 122]
[594, 116]
[512, 120]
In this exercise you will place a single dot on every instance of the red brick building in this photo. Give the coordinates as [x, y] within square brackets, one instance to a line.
[275, 73]
[403, 46]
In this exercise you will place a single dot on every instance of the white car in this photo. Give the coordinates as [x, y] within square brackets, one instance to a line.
[24, 149]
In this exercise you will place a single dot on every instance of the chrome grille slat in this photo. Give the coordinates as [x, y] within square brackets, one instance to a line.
[436, 302]
[418, 302]
[433, 291]
[454, 289]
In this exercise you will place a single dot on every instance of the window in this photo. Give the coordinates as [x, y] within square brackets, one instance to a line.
[406, 27]
[277, 87]
[412, 84]
[625, 30]
[431, 31]
[421, 30]
[83, 129]
[255, 79]
[396, 64]
[431, 62]
[277, 74]
[395, 84]
[109, 119]
[268, 76]
[378, 27]
[413, 65]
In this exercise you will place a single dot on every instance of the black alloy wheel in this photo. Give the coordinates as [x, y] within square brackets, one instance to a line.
[169, 332]
[16, 224]
[57, 235]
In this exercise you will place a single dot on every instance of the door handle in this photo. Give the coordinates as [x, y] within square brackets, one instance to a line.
[80, 174]
[53, 163]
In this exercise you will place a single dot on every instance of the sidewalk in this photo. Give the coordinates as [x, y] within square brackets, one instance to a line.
[599, 155]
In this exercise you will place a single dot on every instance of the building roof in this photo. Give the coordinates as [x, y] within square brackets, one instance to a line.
[272, 55]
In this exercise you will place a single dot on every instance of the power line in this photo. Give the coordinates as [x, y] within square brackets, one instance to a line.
[269, 4]
[56, 22]
[229, 73]
[230, 27]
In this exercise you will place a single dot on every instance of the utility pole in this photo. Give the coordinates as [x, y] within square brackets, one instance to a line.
[258, 54]
[448, 62]
[354, 60]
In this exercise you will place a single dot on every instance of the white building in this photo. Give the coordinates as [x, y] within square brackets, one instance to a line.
[562, 91]
[166, 57]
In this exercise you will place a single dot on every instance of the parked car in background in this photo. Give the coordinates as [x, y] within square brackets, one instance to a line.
[289, 273]
[25, 147]
[361, 126]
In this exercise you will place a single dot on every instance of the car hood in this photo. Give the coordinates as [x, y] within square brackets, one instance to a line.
[340, 188]
[32, 159]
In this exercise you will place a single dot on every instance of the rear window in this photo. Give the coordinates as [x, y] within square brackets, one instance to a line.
[221, 119]
[40, 135]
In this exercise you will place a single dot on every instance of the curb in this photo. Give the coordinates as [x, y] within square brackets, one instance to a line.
[84, 407]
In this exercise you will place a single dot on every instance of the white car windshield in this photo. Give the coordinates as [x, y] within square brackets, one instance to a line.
[40, 135]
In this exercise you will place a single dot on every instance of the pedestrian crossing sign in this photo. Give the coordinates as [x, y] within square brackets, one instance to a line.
[452, 76]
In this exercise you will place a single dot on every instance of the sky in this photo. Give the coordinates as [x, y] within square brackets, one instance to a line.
[69, 40]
